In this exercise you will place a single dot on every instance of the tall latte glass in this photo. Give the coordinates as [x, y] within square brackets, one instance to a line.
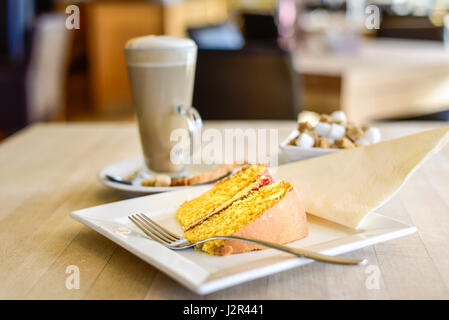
[161, 71]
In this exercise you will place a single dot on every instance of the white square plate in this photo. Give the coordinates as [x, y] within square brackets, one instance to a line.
[203, 273]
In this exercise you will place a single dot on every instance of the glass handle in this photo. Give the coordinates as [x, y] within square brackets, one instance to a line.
[194, 123]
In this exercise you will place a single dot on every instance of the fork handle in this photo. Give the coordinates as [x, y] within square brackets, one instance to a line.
[294, 251]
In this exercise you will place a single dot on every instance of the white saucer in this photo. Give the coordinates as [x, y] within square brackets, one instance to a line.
[126, 168]
[294, 153]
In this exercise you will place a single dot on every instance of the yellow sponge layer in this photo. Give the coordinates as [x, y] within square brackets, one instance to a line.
[237, 215]
[223, 193]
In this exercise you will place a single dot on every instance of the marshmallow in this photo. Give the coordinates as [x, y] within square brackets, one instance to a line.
[372, 135]
[322, 129]
[305, 141]
[336, 132]
[339, 116]
[362, 141]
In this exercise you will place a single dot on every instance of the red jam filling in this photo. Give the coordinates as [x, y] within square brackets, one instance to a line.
[265, 180]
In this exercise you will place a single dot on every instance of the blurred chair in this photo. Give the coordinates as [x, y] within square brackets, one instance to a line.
[244, 85]
[47, 69]
[33, 90]
[260, 29]
[12, 93]
[254, 82]
[409, 27]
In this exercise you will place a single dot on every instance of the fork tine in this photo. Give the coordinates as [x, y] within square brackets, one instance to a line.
[153, 230]
[160, 228]
[142, 225]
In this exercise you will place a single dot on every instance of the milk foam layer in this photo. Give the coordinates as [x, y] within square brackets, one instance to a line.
[160, 50]
[159, 42]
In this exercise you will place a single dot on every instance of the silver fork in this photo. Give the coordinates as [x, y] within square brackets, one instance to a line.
[174, 242]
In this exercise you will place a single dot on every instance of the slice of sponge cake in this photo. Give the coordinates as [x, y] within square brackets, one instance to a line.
[272, 212]
[222, 194]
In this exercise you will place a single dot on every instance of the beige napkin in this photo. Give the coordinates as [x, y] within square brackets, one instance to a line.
[346, 186]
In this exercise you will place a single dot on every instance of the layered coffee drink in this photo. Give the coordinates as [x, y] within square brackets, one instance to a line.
[161, 72]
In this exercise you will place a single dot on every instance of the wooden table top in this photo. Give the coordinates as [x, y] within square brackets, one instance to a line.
[49, 170]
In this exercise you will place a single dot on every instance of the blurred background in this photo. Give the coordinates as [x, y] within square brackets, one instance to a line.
[257, 59]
